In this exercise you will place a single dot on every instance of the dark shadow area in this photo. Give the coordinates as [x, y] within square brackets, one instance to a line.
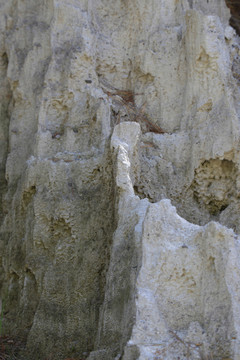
[234, 21]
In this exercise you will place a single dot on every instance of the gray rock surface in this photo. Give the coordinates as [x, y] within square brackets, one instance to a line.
[119, 178]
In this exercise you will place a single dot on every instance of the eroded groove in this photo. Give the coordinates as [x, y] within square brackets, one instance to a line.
[5, 99]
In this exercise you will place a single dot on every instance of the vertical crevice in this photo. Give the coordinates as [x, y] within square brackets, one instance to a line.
[5, 100]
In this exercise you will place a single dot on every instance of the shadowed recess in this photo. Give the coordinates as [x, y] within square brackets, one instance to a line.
[234, 6]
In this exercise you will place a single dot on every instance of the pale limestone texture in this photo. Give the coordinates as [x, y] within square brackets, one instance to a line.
[187, 287]
[115, 240]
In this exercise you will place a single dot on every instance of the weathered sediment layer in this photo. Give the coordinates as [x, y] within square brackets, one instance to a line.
[94, 256]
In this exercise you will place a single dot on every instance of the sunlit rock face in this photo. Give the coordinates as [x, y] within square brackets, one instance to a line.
[119, 178]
